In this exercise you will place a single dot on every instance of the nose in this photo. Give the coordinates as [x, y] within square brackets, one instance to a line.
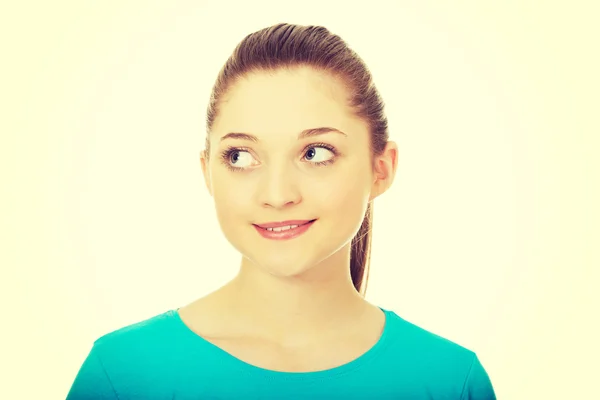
[278, 188]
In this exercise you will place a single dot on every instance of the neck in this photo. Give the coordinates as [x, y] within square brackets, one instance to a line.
[296, 309]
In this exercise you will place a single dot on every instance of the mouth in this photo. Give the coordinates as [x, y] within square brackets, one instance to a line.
[284, 225]
[284, 230]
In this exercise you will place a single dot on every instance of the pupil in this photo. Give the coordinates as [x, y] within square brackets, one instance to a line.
[234, 156]
[309, 151]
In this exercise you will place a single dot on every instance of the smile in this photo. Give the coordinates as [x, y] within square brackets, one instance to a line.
[282, 228]
[284, 232]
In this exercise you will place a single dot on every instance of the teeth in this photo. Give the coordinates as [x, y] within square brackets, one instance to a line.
[282, 228]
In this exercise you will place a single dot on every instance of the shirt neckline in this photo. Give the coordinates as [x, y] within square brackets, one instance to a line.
[247, 368]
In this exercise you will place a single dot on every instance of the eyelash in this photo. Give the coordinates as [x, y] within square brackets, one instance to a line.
[226, 155]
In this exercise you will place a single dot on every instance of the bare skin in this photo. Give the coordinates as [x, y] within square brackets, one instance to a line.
[337, 343]
[292, 306]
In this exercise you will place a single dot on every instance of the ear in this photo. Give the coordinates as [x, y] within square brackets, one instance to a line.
[206, 171]
[384, 169]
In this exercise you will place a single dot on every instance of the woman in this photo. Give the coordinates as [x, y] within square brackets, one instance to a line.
[296, 151]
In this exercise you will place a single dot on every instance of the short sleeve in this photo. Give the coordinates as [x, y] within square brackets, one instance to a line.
[478, 385]
[92, 381]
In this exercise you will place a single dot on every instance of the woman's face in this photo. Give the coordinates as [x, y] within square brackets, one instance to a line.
[280, 176]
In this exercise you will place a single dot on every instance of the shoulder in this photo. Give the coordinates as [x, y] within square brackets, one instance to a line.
[140, 345]
[132, 358]
[153, 329]
[430, 357]
[422, 342]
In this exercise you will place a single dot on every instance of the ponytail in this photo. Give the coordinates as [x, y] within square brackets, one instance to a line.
[360, 253]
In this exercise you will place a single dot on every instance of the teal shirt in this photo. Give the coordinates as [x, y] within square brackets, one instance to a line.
[161, 358]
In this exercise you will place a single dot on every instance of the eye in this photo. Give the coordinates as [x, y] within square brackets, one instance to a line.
[320, 154]
[239, 158]
[235, 158]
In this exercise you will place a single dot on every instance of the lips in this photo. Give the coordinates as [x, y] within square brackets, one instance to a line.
[284, 232]
[284, 223]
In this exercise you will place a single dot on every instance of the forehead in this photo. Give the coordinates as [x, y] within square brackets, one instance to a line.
[285, 101]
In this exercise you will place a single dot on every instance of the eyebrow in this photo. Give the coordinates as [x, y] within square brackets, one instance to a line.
[302, 135]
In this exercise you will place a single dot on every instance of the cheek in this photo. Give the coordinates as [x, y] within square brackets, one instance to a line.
[231, 200]
[343, 200]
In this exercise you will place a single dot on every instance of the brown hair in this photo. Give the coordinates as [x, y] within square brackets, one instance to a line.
[285, 46]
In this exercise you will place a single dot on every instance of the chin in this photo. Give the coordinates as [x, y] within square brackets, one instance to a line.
[284, 259]
[292, 264]
[284, 267]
